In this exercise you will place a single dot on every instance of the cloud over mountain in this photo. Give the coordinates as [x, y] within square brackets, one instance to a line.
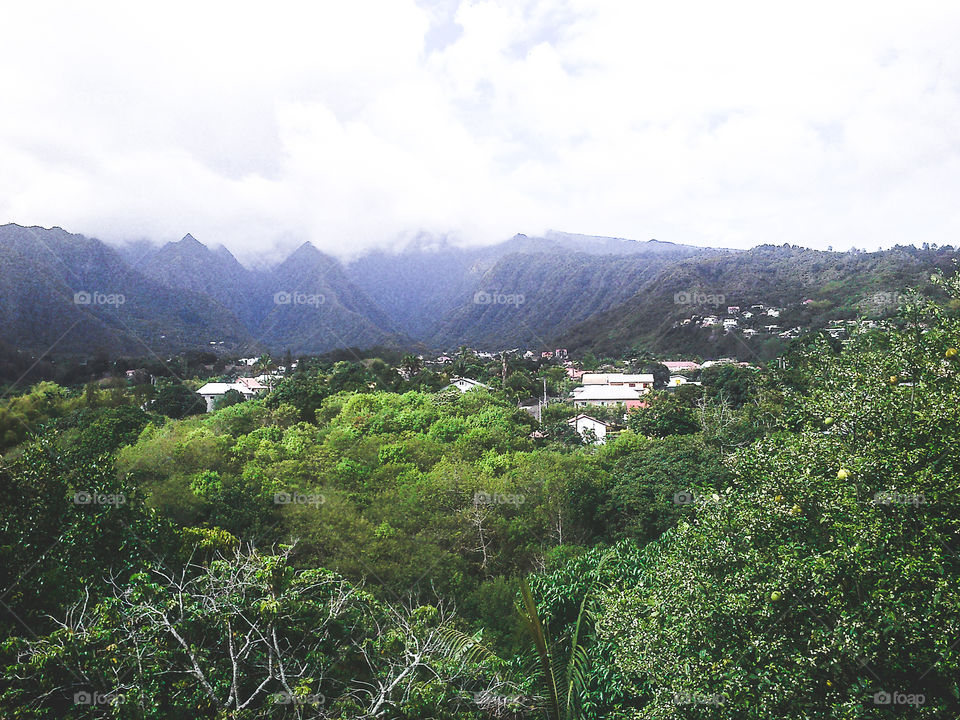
[354, 125]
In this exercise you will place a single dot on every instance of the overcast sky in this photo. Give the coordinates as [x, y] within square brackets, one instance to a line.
[357, 123]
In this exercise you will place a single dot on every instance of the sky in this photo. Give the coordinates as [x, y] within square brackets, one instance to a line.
[361, 124]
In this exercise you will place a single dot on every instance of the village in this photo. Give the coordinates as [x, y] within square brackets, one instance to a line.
[594, 397]
[756, 320]
[599, 400]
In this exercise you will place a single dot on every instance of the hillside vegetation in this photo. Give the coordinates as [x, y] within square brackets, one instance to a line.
[782, 543]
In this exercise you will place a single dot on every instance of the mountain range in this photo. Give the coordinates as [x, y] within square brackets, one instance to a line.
[66, 293]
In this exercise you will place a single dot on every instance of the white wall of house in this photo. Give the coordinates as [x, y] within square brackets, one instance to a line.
[583, 423]
[464, 384]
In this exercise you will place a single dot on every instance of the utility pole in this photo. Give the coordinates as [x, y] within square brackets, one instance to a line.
[543, 404]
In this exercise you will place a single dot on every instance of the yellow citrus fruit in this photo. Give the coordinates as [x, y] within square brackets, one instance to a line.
[843, 474]
[775, 596]
[950, 353]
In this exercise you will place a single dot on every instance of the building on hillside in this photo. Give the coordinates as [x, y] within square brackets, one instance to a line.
[719, 361]
[733, 309]
[678, 380]
[607, 396]
[574, 373]
[247, 387]
[267, 381]
[560, 353]
[680, 365]
[464, 384]
[590, 428]
[640, 381]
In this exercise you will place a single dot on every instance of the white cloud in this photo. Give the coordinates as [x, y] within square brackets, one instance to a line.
[353, 124]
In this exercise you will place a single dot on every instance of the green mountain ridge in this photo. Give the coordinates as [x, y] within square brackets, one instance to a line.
[588, 294]
[840, 286]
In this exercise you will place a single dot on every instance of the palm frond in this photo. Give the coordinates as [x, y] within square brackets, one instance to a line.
[461, 646]
[531, 620]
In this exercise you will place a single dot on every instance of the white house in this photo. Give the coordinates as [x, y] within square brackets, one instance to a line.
[584, 423]
[678, 380]
[464, 384]
[639, 381]
[607, 395]
[247, 387]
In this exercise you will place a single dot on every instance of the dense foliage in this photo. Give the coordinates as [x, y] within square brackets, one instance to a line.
[363, 543]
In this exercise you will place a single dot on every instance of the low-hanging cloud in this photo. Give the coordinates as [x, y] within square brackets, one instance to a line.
[358, 124]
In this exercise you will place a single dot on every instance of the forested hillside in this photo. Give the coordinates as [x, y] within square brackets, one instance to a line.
[834, 285]
[588, 294]
[74, 295]
[778, 543]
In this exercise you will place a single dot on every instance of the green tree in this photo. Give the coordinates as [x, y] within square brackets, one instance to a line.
[176, 400]
[230, 397]
[666, 415]
[824, 573]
